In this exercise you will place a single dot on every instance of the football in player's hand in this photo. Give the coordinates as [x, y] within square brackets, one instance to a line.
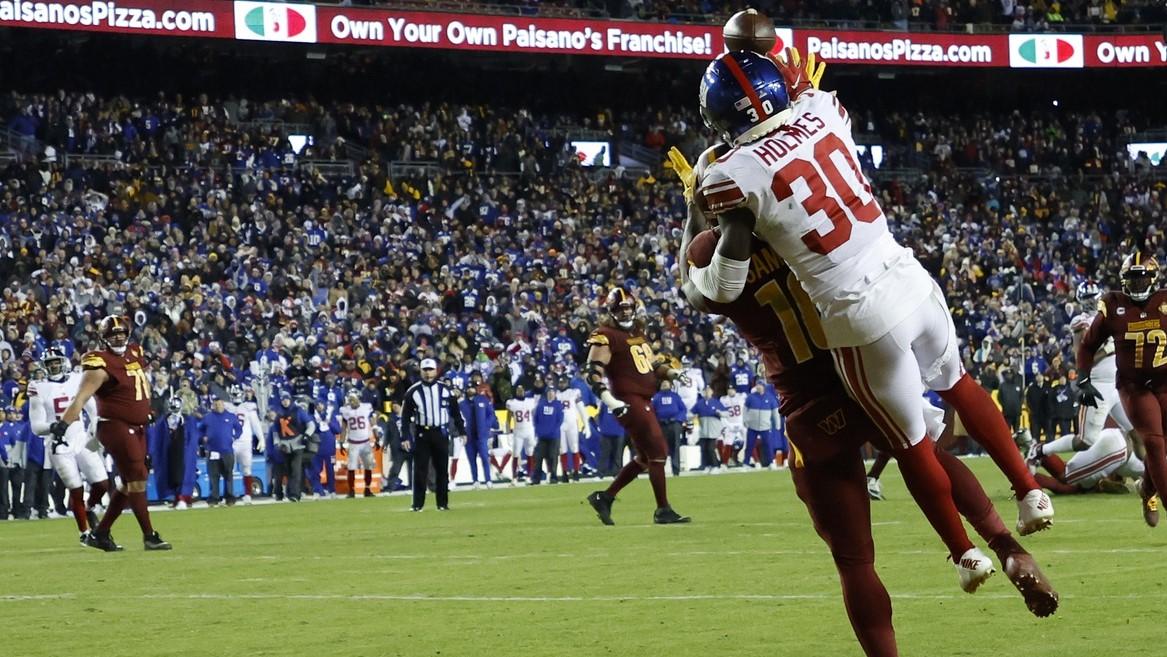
[749, 30]
[700, 251]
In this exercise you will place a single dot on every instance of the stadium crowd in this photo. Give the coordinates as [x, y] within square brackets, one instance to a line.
[490, 249]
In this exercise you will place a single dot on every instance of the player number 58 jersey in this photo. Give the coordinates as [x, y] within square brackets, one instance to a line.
[815, 207]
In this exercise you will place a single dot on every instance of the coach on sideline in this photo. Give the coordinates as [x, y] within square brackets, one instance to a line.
[430, 407]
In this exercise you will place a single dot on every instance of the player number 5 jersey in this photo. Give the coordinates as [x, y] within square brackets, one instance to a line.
[815, 207]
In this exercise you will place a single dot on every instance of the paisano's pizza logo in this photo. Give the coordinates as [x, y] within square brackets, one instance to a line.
[1046, 51]
[269, 21]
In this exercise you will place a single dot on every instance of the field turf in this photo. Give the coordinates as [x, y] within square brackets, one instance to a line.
[530, 571]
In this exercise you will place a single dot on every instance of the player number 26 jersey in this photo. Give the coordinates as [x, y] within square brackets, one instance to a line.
[359, 422]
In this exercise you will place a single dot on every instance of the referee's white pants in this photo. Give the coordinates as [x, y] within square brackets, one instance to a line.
[888, 377]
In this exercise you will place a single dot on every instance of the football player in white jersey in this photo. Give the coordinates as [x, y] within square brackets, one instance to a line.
[1090, 470]
[574, 413]
[521, 409]
[691, 391]
[70, 455]
[792, 177]
[733, 432]
[1093, 418]
[248, 414]
[357, 439]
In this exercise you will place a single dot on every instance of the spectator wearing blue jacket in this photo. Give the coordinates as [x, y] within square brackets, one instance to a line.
[219, 429]
[38, 470]
[11, 464]
[612, 441]
[173, 442]
[328, 427]
[759, 421]
[740, 375]
[670, 412]
[548, 420]
[709, 411]
[481, 423]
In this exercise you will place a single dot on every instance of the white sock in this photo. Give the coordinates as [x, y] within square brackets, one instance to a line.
[1063, 444]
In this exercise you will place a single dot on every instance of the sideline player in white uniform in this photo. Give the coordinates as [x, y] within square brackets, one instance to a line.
[691, 391]
[70, 456]
[574, 413]
[248, 414]
[357, 439]
[793, 179]
[522, 409]
[733, 432]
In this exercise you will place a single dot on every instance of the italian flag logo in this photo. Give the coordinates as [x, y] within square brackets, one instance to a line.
[267, 21]
[1045, 51]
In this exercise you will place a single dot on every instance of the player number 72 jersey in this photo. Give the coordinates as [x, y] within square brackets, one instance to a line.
[816, 209]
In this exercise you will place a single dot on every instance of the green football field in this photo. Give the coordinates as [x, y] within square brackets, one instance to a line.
[529, 571]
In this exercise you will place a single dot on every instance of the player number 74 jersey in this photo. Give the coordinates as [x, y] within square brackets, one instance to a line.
[816, 209]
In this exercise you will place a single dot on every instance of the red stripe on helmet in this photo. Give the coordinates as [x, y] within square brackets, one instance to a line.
[744, 83]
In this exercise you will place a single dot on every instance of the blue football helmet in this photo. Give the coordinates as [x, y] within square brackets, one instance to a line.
[743, 96]
[1088, 291]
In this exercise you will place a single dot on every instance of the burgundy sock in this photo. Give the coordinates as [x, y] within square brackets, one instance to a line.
[1056, 486]
[530, 467]
[576, 459]
[506, 458]
[869, 609]
[1156, 461]
[970, 498]
[117, 502]
[77, 504]
[1055, 465]
[1004, 546]
[656, 477]
[987, 426]
[368, 480]
[97, 493]
[453, 469]
[352, 481]
[930, 487]
[563, 464]
[881, 459]
[246, 484]
[629, 472]
[138, 505]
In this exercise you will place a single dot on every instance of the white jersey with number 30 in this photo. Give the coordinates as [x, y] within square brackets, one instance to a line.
[816, 209]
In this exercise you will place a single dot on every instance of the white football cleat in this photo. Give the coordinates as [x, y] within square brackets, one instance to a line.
[477, 485]
[181, 506]
[874, 489]
[489, 484]
[974, 568]
[1035, 512]
[246, 499]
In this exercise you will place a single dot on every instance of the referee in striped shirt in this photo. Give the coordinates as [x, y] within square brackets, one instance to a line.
[429, 409]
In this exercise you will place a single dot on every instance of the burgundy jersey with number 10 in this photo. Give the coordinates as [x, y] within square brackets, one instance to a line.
[775, 315]
[125, 396]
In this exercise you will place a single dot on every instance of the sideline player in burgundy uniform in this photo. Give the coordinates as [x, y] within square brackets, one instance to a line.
[116, 377]
[1137, 320]
[620, 352]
